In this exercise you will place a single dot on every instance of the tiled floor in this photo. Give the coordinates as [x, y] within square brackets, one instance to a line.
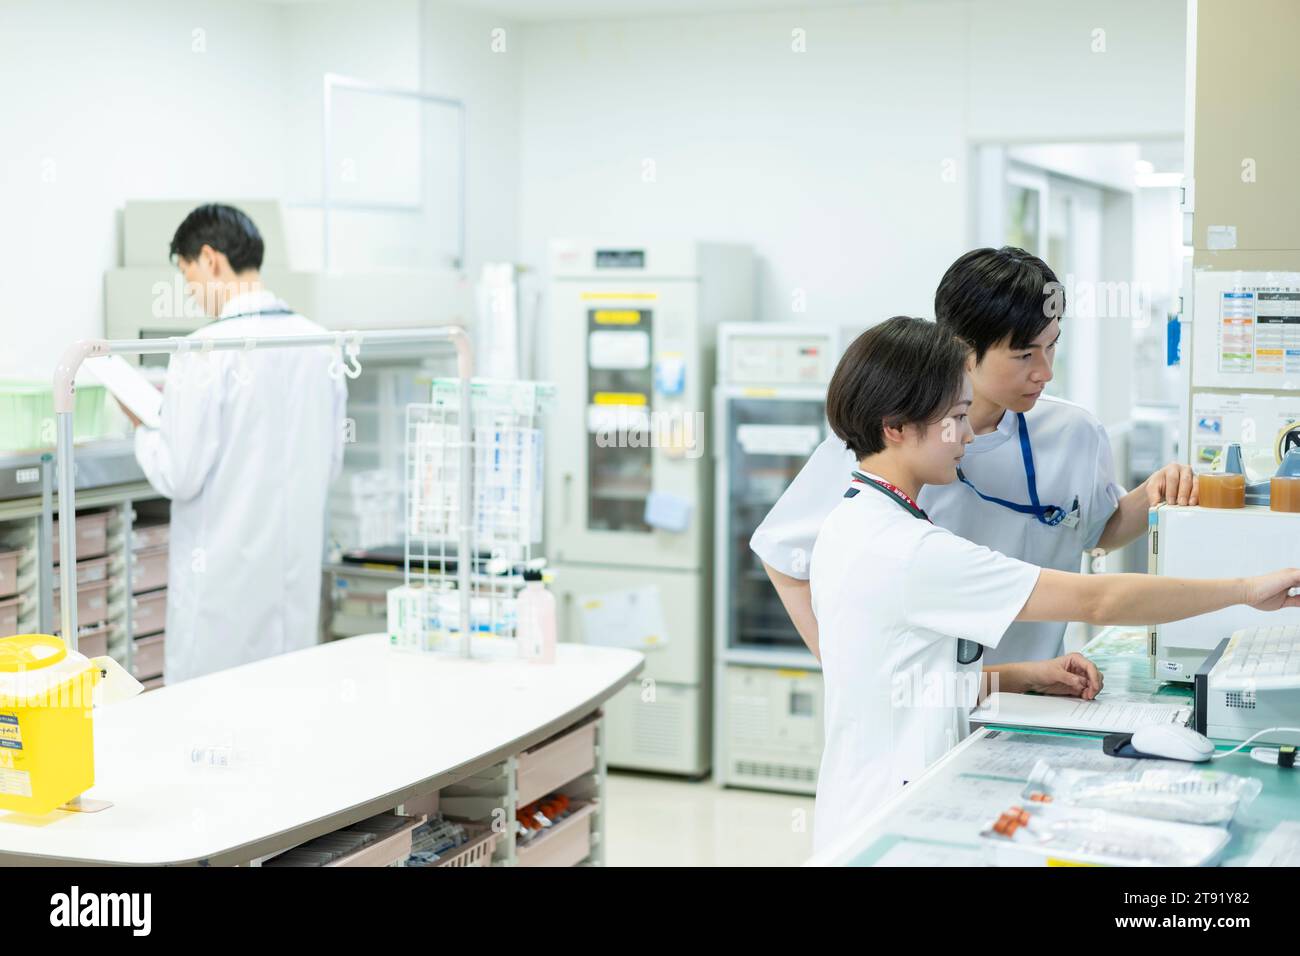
[661, 821]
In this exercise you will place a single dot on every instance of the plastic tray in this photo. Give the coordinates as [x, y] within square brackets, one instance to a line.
[149, 612]
[92, 535]
[387, 850]
[9, 572]
[92, 571]
[150, 536]
[565, 844]
[8, 617]
[555, 762]
[94, 642]
[478, 851]
[147, 657]
[149, 569]
[92, 603]
[27, 419]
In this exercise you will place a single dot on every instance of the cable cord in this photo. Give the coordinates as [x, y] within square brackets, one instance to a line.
[1266, 730]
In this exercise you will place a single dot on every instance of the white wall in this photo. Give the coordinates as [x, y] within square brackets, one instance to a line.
[830, 161]
[110, 102]
[459, 61]
[105, 102]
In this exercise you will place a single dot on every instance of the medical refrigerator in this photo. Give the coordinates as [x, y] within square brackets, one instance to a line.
[770, 408]
[629, 483]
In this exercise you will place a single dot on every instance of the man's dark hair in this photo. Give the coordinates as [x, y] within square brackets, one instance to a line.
[903, 371]
[990, 294]
[226, 230]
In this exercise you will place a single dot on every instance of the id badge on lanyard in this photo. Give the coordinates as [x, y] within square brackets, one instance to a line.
[1050, 515]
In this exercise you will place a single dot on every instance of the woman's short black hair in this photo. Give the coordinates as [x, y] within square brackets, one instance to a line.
[224, 228]
[988, 295]
[903, 371]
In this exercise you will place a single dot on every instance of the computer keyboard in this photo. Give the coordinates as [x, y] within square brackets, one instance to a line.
[1266, 658]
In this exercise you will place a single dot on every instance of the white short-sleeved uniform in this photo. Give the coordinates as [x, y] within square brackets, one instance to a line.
[1071, 457]
[893, 593]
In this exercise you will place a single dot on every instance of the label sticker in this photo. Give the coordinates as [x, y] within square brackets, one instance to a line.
[15, 783]
[11, 735]
[1221, 237]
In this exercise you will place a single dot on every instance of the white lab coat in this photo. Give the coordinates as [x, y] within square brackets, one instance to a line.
[892, 594]
[1072, 459]
[247, 468]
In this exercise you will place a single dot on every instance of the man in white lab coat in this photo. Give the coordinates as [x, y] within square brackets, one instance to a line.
[248, 445]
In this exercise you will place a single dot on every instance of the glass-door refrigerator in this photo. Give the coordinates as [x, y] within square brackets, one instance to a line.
[770, 407]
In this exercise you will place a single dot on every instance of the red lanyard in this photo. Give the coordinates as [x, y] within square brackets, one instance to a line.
[898, 494]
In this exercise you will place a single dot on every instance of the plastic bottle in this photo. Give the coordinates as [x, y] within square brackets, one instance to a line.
[536, 628]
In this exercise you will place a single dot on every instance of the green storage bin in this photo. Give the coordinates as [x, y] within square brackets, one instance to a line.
[26, 406]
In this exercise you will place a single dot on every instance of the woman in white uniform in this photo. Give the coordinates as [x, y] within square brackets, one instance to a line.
[1037, 483]
[905, 607]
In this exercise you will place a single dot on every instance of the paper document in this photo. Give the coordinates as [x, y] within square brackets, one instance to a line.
[1071, 713]
[129, 387]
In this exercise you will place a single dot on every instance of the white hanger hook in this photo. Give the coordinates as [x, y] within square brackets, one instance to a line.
[353, 370]
[335, 369]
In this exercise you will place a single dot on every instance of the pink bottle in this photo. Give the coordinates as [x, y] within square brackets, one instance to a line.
[536, 616]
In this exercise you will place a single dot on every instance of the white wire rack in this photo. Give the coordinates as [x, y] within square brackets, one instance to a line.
[505, 520]
[344, 343]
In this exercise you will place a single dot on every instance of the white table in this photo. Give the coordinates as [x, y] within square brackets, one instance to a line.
[317, 740]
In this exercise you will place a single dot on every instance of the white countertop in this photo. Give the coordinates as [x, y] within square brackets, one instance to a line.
[316, 739]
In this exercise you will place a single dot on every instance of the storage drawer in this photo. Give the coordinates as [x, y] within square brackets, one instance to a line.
[565, 844]
[8, 617]
[379, 841]
[148, 569]
[147, 659]
[91, 571]
[553, 763]
[92, 535]
[149, 612]
[9, 572]
[94, 642]
[92, 604]
[150, 536]
[392, 843]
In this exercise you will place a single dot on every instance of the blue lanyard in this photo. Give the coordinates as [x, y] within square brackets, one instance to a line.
[1050, 515]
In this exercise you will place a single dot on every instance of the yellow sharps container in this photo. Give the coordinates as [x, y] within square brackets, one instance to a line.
[47, 749]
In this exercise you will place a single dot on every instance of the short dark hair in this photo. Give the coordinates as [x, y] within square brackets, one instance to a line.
[903, 371]
[990, 294]
[224, 228]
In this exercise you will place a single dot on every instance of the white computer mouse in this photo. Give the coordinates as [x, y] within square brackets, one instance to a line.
[1173, 742]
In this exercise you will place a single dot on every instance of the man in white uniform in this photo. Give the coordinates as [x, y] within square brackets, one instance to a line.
[248, 446]
[1037, 483]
